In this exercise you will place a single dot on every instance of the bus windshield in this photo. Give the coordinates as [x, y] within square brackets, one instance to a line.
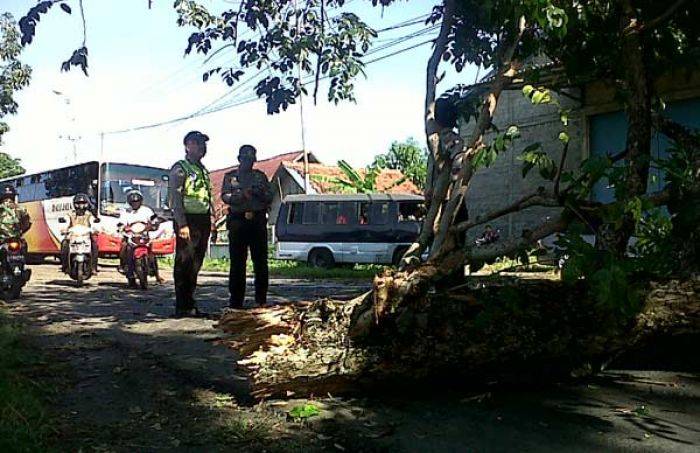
[119, 179]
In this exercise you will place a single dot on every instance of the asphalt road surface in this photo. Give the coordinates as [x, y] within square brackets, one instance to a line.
[129, 377]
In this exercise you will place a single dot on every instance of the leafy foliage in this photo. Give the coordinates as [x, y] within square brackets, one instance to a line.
[287, 35]
[408, 157]
[304, 411]
[13, 74]
[10, 166]
[487, 155]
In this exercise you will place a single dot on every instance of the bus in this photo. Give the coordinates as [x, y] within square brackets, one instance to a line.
[323, 230]
[48, 196]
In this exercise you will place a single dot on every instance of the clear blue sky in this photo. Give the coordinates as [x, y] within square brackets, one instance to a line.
[139, 76]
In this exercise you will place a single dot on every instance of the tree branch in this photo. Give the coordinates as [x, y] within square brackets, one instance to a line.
[560, 170]
[529, 237]
[436, 187]
[508, 68]
[663, 17]
[534, 199]
[320, 51]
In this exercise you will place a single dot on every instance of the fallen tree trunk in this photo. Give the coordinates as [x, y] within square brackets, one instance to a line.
[504, 328]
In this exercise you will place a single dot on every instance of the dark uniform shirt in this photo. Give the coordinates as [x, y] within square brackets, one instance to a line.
[176, 187]
[246, 191]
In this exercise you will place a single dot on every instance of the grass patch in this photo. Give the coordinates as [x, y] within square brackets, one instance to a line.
[24, 423]
[293, 269]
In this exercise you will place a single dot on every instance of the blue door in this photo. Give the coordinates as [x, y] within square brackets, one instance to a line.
[608, 135]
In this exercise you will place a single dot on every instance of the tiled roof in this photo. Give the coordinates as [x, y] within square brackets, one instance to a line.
[385, 180]
[267, 166]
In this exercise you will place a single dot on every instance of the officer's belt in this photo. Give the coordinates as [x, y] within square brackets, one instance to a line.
[246, 215]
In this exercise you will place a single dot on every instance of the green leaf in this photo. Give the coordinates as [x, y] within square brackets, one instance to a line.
[556, 17]
[512, 132]
[304, 411]
[541, 97]
[564, 117]
[527, 90]
[564, 137]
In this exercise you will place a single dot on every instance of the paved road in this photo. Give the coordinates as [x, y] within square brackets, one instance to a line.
[134, 379]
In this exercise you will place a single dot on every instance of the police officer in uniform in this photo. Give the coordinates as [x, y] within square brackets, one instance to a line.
[190, 200]
[248, 194]
[14, 220]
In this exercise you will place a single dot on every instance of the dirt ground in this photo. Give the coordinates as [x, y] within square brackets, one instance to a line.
[129, 377]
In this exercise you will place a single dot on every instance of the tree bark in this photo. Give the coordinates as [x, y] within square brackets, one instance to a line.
[638, 151]
[493, 329]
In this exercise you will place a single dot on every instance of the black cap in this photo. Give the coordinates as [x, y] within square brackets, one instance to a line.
[247, 151]
[195, 135]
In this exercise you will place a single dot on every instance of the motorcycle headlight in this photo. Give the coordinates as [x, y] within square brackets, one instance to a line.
[138, 228]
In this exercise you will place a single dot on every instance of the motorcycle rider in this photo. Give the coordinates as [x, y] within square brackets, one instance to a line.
[136, 212]
[14, 220]
[80, 216]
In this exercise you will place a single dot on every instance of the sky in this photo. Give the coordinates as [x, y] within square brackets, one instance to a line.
[138, 75]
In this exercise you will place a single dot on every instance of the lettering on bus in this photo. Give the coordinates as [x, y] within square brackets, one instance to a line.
[62, 207]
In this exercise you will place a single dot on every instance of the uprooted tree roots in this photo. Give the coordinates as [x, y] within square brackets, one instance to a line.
[501, 328]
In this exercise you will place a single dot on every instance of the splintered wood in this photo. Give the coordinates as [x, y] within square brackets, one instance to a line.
[510, 327]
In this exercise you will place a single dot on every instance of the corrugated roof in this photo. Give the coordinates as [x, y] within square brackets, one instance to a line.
[355, 197]
[386, 179]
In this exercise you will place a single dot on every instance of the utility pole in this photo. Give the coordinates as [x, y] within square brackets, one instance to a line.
[69, 136]
[307, 184]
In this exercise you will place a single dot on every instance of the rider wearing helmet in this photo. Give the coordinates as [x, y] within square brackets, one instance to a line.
[14, 220]
[136, 212]
[80, 216]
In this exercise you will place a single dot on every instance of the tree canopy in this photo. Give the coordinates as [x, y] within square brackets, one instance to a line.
[13, 74]
[542, 47]
[408, 157]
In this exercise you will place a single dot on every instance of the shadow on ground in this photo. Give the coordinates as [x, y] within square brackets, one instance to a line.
[135, 379]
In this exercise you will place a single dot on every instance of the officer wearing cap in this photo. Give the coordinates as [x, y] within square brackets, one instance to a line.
[248, 194]
[190, 200]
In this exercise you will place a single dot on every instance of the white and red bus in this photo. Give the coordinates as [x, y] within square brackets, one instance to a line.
[48, 196]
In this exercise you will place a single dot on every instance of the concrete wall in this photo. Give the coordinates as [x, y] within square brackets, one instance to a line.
[502, 183]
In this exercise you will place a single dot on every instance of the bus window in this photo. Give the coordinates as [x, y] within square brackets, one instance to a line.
[347, 213]
[373, 213]
[363, 218]
[311, 212]
[294, 214]
[120, 179]
[330, 214]
[411, 212]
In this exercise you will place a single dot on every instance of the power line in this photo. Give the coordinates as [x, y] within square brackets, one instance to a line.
[249, 99]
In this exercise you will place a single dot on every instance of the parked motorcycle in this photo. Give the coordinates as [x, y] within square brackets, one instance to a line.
[13, 274]
[140, 256]
[79, 265]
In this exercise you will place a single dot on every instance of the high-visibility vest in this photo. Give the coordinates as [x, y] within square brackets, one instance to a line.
[197, 195]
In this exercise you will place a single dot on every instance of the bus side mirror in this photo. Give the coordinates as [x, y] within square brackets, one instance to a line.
[62, 220]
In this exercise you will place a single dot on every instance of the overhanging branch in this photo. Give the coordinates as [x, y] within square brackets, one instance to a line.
[494, 251]
[534, 199]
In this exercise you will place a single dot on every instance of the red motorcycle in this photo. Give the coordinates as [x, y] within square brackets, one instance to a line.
[141, 262]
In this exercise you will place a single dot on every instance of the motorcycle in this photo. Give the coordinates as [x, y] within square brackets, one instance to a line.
[140, 254]
[13, 274]
[79, 266]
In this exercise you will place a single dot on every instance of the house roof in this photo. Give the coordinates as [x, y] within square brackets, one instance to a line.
[355, 197]
[268, 166]
[320, 175]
